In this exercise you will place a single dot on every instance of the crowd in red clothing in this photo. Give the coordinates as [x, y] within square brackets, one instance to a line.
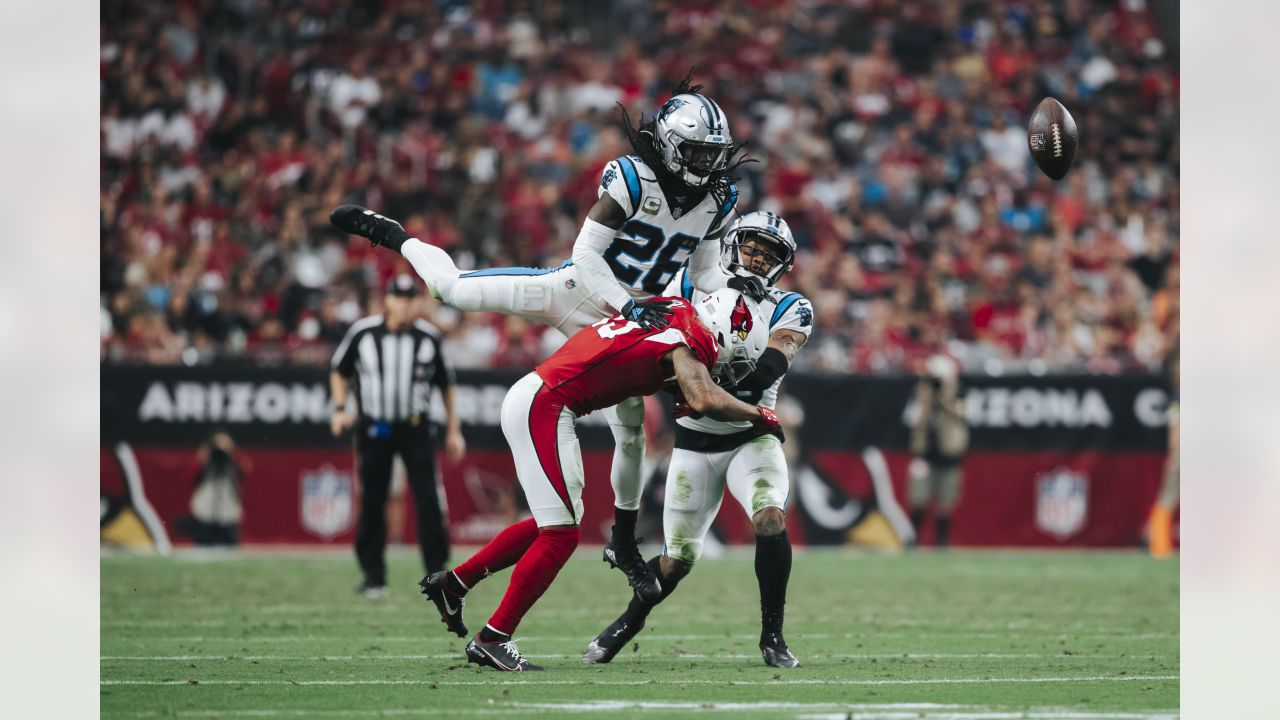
[890, 135]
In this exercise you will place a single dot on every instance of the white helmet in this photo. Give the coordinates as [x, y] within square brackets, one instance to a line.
[765, 227]
[693, 138]
[740, 330]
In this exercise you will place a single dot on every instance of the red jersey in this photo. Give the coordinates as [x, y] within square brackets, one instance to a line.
[612, 360]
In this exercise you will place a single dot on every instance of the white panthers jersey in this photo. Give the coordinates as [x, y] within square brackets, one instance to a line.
[658, 238]
[793, 311]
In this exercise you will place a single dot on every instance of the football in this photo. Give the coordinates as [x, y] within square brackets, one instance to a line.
[1052, 137]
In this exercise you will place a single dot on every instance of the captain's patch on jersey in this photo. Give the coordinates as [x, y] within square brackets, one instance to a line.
[651, 205]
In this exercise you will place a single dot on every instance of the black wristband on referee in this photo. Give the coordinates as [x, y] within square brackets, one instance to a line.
[771, 366]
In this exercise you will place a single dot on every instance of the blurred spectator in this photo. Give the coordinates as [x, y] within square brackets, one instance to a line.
[939, 441]
[890, 135]
[1160, 522]
[215, 505]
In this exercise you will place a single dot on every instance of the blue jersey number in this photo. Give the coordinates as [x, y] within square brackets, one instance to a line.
[646, 242]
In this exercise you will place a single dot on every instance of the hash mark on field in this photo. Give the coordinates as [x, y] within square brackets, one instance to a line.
[691, 681]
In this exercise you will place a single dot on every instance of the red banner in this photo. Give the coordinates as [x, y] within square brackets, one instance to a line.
[1022, 498]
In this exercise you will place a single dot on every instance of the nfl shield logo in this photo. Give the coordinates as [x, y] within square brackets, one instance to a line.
[326, 502]
[1062, 502]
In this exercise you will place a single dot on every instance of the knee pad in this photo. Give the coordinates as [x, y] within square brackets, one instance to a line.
[629, 441]
[769, 525]
[468, 296]
[628, 413]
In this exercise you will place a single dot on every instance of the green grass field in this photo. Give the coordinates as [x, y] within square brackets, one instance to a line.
[920, 635]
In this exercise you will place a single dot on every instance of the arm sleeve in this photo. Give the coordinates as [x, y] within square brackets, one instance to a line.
[771, 366]
[344, 358]
[621, 180]
[593, 271]
[704, 267]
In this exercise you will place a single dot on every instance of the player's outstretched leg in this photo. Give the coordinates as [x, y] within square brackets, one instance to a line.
[431, 263]
[533, 293]
[614, 638]
[773, 571]
[626, 422]
[493, 646]
[448, 588]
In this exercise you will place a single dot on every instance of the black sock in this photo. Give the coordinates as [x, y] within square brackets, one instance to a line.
[396, 239]
[638, 609]
[624, 526]
[917, 519]
[773, 571]
[941, 530]
[489, 635]
[454, 585]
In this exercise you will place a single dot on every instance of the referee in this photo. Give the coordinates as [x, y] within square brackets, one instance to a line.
[394, 360]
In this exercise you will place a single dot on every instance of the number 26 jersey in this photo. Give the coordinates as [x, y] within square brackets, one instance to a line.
[657, 239]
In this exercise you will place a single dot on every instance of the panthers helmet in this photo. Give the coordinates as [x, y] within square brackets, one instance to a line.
[764, 227]
[692, 135]
[741, 332]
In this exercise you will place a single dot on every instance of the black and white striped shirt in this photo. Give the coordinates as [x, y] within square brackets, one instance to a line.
[394, 371]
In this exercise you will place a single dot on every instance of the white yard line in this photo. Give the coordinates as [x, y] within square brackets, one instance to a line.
[1113, 635]
[657, 656]
[495, 681]
[880, 711]
[933, 711]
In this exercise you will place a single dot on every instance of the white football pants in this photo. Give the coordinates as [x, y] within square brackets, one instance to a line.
[755, 472]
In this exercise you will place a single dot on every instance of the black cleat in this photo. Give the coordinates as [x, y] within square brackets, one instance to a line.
[627, 558]
[504, 656]
[357, 220]
[449, 605]
[775, 651]
[609, 643]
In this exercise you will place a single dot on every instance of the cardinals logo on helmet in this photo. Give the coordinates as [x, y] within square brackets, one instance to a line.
[740, 320]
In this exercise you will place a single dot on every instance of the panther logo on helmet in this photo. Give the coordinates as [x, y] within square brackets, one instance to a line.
[740, 320]
[672, 105]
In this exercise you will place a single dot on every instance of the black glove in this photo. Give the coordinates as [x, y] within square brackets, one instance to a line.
[751, 286]
[647, 313]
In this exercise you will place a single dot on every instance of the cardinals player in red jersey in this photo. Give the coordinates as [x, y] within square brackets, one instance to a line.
[714, 343]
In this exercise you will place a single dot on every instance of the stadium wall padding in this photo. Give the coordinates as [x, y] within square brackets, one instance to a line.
[1055, 460]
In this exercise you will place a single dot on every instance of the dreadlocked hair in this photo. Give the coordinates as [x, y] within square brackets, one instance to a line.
[644, 143]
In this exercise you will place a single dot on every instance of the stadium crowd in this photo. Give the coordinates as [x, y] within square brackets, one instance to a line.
[890, 135]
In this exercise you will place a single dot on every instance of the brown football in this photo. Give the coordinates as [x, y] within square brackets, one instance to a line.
[1053, 138]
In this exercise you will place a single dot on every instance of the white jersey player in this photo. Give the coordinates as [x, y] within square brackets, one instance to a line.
[658, 212]
[711, 454]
